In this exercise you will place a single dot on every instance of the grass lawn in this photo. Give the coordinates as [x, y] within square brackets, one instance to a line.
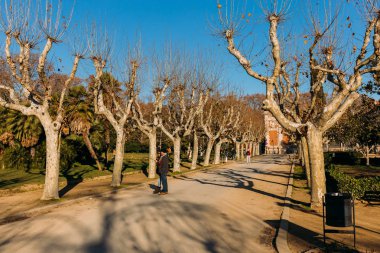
[359, 170]
[12, 178]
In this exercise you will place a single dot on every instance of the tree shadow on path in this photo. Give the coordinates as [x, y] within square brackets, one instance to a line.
[232, 179]
[160, 224]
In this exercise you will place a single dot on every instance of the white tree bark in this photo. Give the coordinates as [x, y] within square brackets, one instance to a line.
[218, 145]
[177, 154]
[119, 158]
[195, 151]
[306, 159]
[51, 186]
[152, 154]
[207, 156]
[257, 148]
[314, 139]
[237, 150]
[242, 155]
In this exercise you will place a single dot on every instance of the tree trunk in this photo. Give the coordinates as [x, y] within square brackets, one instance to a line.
[242, 152]
[217, 152]
[195, 152]
[305, 156]
[210, 144]
[177, 154]
[367, 155]
[318, 178]
[51, 187]
[119, 157]
[189, 152]
[108, 142]
[237, 150]
[152, 154]
[300, 153]
[88, 144]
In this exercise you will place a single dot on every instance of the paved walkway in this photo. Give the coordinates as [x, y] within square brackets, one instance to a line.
[235, 209]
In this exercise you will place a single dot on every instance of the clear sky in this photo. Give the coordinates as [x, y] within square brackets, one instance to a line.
[186, 24]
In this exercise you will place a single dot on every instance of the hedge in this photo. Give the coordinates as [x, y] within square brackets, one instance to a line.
[355, 186]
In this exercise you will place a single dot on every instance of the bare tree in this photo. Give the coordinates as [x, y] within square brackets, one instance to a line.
[147, 120]
[100, 49]
[30, 91]
[235, 107]
[324, 68]
[215, 119]
[194, 158]
[185, 101]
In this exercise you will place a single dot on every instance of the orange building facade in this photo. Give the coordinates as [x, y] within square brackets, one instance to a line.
[275, 138]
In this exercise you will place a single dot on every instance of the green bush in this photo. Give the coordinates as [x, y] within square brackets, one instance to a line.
[349, 158]
[136, 147]
[16, 157]
[355, 186]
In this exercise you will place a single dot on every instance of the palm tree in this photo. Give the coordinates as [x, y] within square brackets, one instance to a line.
[26, 129]
[80, 117]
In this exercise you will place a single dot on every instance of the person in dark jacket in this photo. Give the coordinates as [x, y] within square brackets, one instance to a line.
[163, 168]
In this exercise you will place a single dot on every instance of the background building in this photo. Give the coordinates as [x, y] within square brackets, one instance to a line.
[275, 139]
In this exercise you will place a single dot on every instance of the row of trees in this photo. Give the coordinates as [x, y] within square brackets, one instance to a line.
[334, 63]
[186, 101]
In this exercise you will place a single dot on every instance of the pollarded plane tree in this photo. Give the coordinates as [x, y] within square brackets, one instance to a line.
[186, 97]
[258, 120]
[196, 133]
[215, 118]
[26, 25]
[325, 67]
[120, 100]
[241, 133]
[233, 104]
[253, 121]
[209, 79]
[255, 134]
[147, 118]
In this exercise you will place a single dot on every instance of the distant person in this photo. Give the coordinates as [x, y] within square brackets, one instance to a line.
[248, 154]
[163, 168]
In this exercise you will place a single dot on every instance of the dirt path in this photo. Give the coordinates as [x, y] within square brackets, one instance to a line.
[235, 209]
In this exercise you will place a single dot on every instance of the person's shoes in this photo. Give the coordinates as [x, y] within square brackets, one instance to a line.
[156, 190]
[163, 193]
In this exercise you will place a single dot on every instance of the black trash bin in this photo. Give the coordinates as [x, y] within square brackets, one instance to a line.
[338, 209]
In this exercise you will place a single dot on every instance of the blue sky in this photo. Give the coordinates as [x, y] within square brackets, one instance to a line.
[186, 24]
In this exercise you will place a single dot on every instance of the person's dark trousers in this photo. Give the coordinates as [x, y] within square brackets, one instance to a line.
[164, 182]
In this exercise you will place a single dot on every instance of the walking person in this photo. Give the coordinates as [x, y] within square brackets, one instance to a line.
[163, 168]
[248, 154]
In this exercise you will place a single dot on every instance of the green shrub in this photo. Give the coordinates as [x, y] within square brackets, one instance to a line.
[355, 186]
[16, 157]
[344, 157]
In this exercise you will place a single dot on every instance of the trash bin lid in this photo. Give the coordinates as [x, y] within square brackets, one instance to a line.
[338, 194]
